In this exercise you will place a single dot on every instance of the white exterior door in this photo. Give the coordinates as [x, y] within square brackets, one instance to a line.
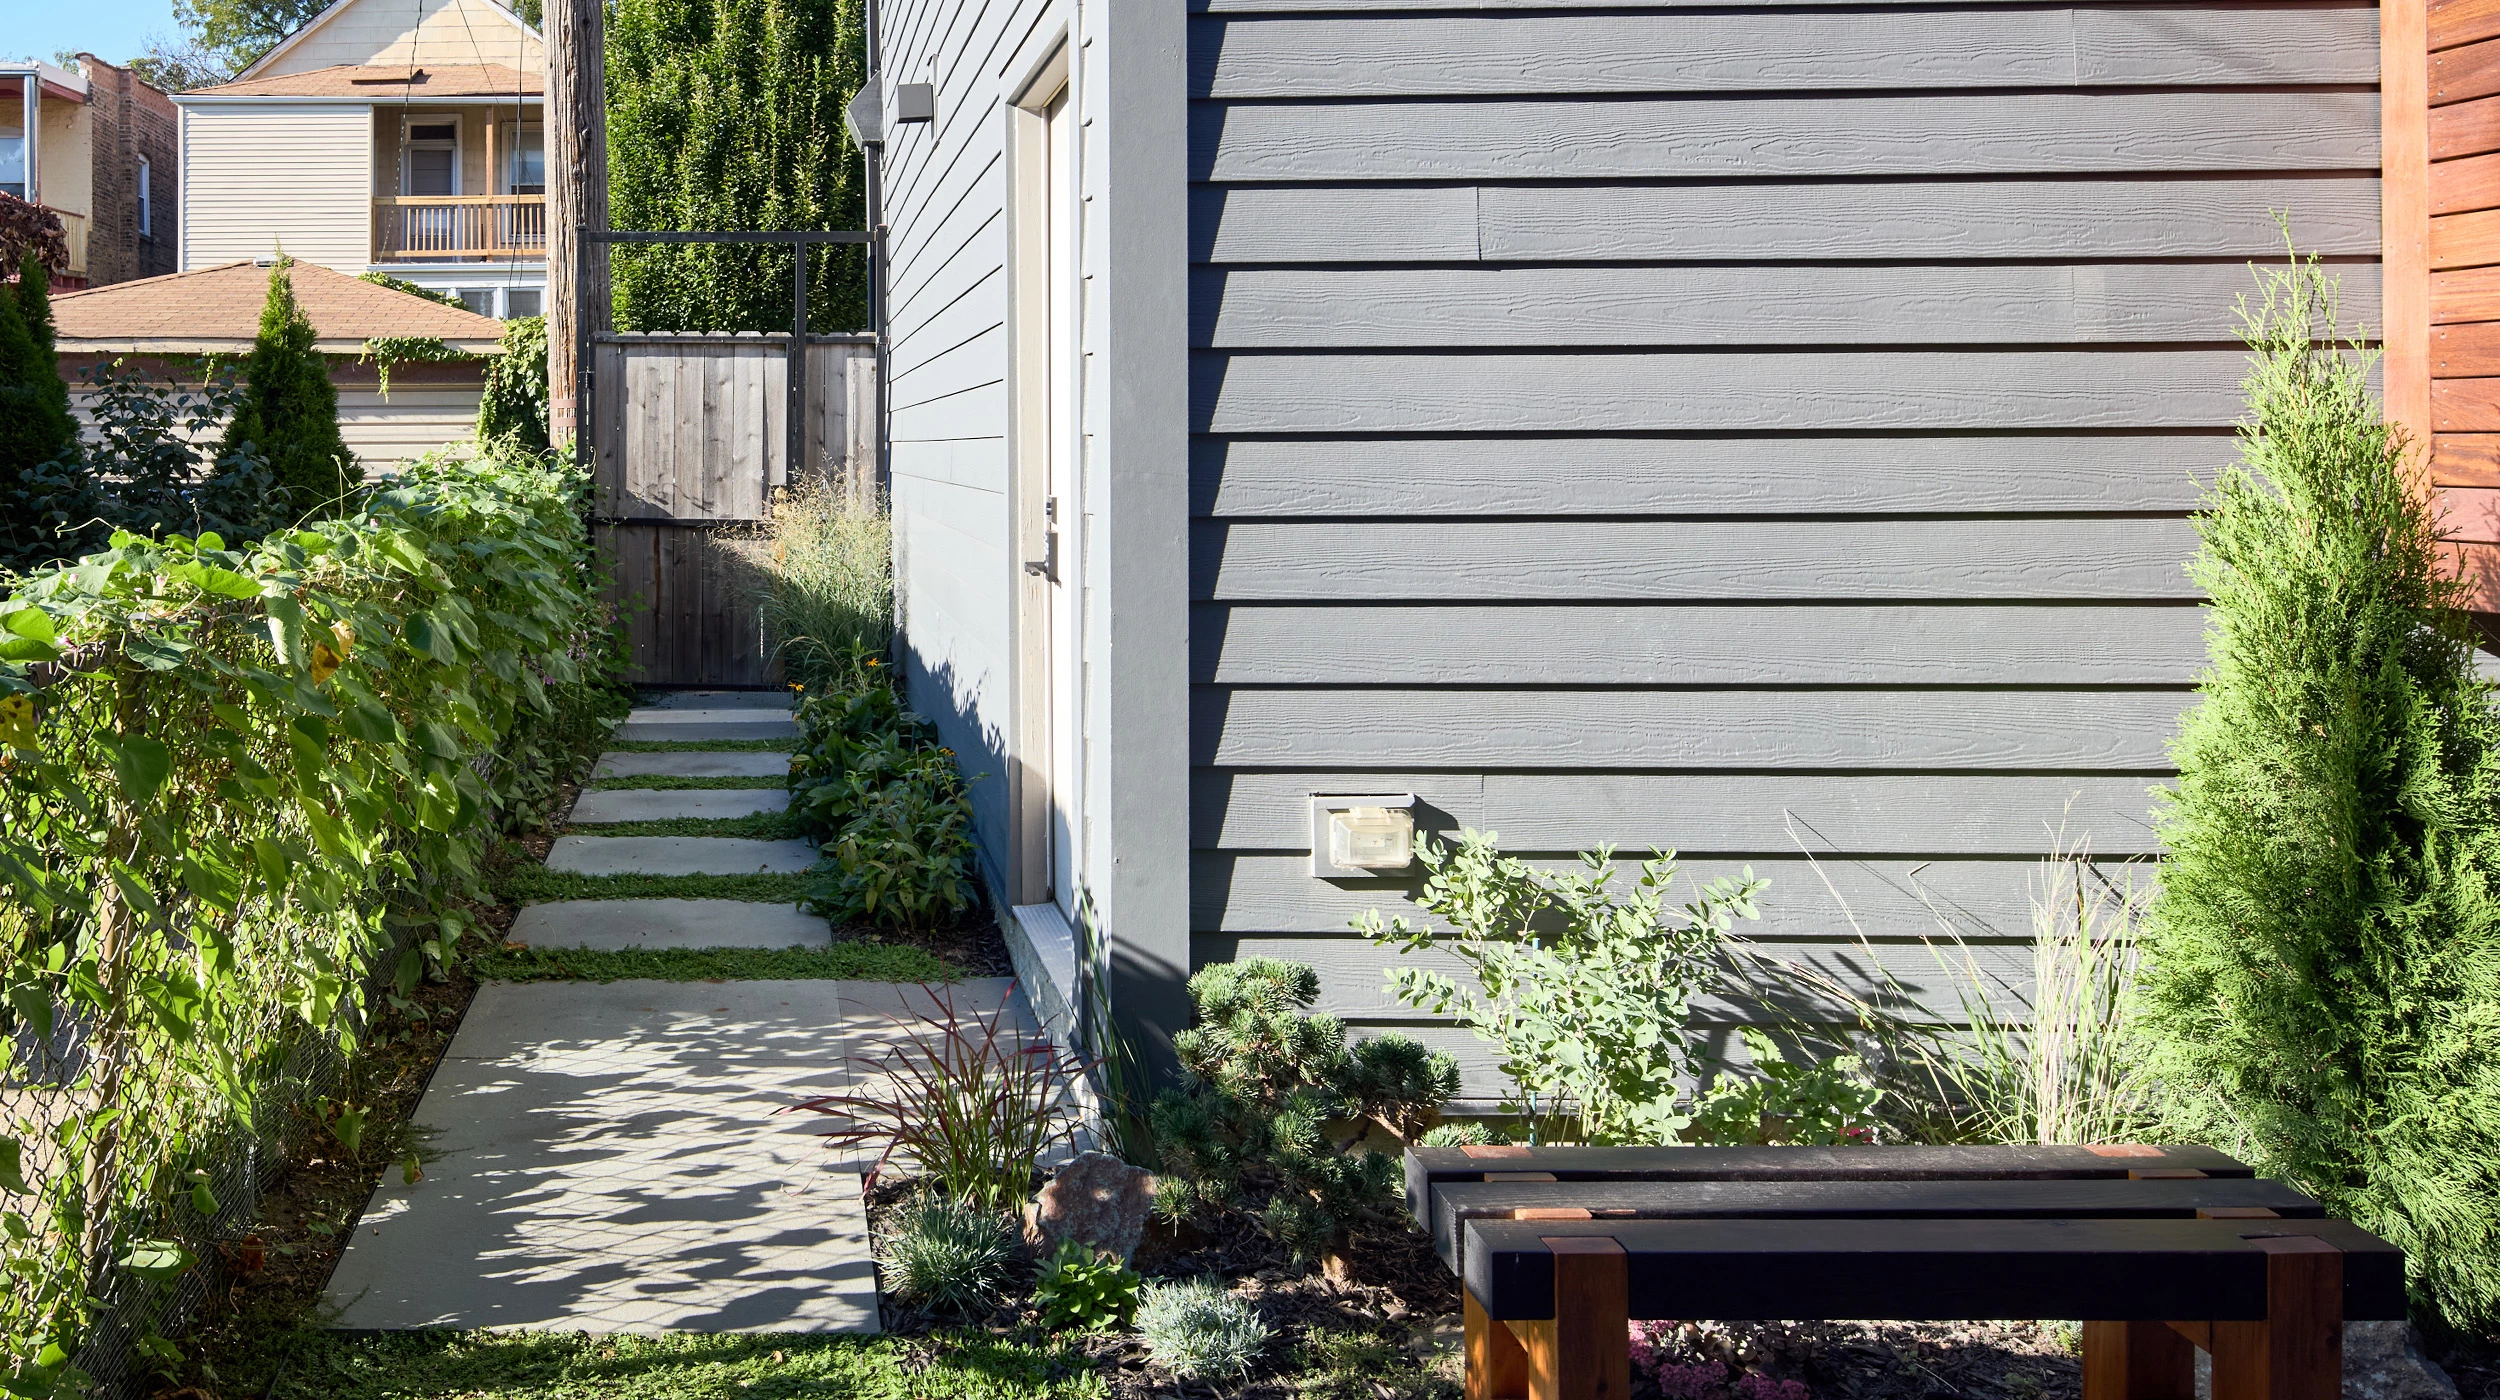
[1063, 517]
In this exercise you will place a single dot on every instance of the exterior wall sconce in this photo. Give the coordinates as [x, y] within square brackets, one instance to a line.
[1361, 836]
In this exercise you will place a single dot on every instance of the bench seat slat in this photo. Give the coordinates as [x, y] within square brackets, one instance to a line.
[1930, 1270]
[1455, 1201]
[1426, 1165]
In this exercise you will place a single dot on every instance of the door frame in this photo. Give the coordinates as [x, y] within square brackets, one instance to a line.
[1029, 429]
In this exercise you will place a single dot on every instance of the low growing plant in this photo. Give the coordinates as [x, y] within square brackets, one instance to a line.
[1081, 1289]
[971, 1100]
[1584, 992]
[948, 1256]
[1197, 1331]
[870, 780]
[1810, 1102]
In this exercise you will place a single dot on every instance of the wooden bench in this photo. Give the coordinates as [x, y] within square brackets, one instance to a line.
[2158, 1251]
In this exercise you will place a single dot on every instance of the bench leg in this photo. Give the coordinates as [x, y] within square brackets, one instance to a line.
[1497, 1366]
[2297, 1353]
[1585, 1351]
[2137, 1361]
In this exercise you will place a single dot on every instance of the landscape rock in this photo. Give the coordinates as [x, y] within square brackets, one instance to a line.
[1095, 1199]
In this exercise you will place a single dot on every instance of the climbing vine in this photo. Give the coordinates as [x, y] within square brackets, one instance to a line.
[385, 351]
[238, 788]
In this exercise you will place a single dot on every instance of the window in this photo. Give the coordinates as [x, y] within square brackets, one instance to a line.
[523, 301]
[429, 159]
[525, 170]
[478, 299]
[147, 202]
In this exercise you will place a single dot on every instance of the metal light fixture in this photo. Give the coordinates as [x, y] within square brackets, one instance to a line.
[1358, 836]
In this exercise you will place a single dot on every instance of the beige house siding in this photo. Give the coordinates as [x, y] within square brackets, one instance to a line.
[66, 155]
[430, 406]
[255, 177]
[429, 31]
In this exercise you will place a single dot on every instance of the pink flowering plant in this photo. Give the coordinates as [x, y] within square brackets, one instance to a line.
[1664, 1370]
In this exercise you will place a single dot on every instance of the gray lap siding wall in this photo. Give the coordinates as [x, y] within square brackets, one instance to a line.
[1765, 431]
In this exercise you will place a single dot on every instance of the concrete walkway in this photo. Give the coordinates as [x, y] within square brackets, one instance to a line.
[612, 1161]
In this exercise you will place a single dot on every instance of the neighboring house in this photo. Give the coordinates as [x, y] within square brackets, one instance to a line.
[164, 323]
[103, 158]
[1763, 431]
[398, 135]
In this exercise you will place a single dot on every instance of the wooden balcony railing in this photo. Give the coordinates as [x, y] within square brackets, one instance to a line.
[432, 227]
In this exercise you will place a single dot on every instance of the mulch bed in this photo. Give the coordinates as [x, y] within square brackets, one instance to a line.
[974, 944]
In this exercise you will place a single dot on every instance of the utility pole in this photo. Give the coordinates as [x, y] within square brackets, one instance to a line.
[577, 198]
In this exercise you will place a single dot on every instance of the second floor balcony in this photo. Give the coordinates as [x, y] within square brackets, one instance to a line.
[459, 227]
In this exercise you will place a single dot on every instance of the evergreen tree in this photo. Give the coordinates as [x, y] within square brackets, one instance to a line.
[2323, 966]
[727, 115]
[38, 437]
[289, 417]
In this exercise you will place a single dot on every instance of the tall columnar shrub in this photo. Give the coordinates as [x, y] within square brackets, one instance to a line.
[2322, 978]
[727, 114]
[35, 423]
[288, 419]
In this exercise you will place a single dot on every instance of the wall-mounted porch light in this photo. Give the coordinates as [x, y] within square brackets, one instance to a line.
[1358, 836]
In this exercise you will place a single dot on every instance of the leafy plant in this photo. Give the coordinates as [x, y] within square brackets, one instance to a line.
[948, 1255]
[968, 1098]
[513, 405]
[871, 779]
[403, 285]
[1082, 1290]
[1818, 1103]
[1197, 1331]
[288, 417]
[2322, 969]
[1584, 993]
[1262, 1081]
[385, 352]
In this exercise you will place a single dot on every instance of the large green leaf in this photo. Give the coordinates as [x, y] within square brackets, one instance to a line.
[141, 763]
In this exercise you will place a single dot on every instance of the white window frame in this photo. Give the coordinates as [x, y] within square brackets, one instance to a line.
[407, 175]
[147, 201]
[509, 138]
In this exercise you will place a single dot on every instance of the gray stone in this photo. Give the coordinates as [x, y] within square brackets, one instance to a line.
[648, 805]
[611, 924]
[2382, 1361]
[1095, 1199]
[678, 855]
[732, 764]
[613, 1162]
[776, 699]
[690, 726]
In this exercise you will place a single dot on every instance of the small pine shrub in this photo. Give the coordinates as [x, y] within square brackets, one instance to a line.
[1080, 1289]
[1197, 1331]
[2321, 976]
[947, 1256]
[288, 419]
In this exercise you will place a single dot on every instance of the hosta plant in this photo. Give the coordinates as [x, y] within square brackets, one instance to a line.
[1082, 1289]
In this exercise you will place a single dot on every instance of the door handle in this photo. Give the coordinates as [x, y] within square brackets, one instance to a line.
[1048, 565]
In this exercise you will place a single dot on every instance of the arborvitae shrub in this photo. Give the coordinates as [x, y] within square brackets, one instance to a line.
[289, 417]
[2322, 981]
[35, 422]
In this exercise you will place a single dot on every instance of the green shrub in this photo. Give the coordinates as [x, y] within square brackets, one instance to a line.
[513, 406]
[948, 1256]
[1083, 1290]
[888, 803]
[288, 418]
[39, 452]
[1197, 1331]
[1248, 1127]
[2322, 968]
[1819, 1103]
[1585, 994]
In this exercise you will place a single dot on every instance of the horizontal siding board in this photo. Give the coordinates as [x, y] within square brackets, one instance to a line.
[1703, 391]
[2119, 730]
[1772, 814]
[1573, 54]
[1424, 476]
[1691, 306]
[1897, 220]
[1956, 134]
[1749, 561]
[1807, 644]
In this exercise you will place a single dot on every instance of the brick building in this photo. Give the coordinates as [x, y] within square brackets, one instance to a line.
[136, 135]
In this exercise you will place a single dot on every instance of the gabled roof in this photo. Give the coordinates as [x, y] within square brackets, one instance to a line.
[397, 83]
[217, 310]
[339, 7]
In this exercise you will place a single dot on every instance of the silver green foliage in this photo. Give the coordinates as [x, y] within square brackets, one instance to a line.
[947, 1256]
[1197, 1331]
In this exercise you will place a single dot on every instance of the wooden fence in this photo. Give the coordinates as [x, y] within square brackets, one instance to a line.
[689, 439]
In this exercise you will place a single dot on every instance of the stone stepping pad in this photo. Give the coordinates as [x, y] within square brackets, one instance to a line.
[694, 726]
[612, 1163]
[649, 805]
[783, 700]
[619, 924]
[678, 855]
[691, 765]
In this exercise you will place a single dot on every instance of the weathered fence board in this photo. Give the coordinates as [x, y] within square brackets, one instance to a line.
[690, 438]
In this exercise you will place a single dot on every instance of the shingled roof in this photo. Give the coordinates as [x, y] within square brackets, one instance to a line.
[388, 83]
[217, 309]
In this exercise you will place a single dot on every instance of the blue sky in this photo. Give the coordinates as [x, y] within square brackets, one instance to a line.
[112, 30]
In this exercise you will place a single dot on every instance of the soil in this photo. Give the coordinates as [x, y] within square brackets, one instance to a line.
[975, 944]
[2473, 1363]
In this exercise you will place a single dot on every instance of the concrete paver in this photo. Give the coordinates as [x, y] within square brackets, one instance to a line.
[612, 1163]
[775, 699]
[678, 855]
[687, 726]
[647, 805]
[616, 924]
[732, 764]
